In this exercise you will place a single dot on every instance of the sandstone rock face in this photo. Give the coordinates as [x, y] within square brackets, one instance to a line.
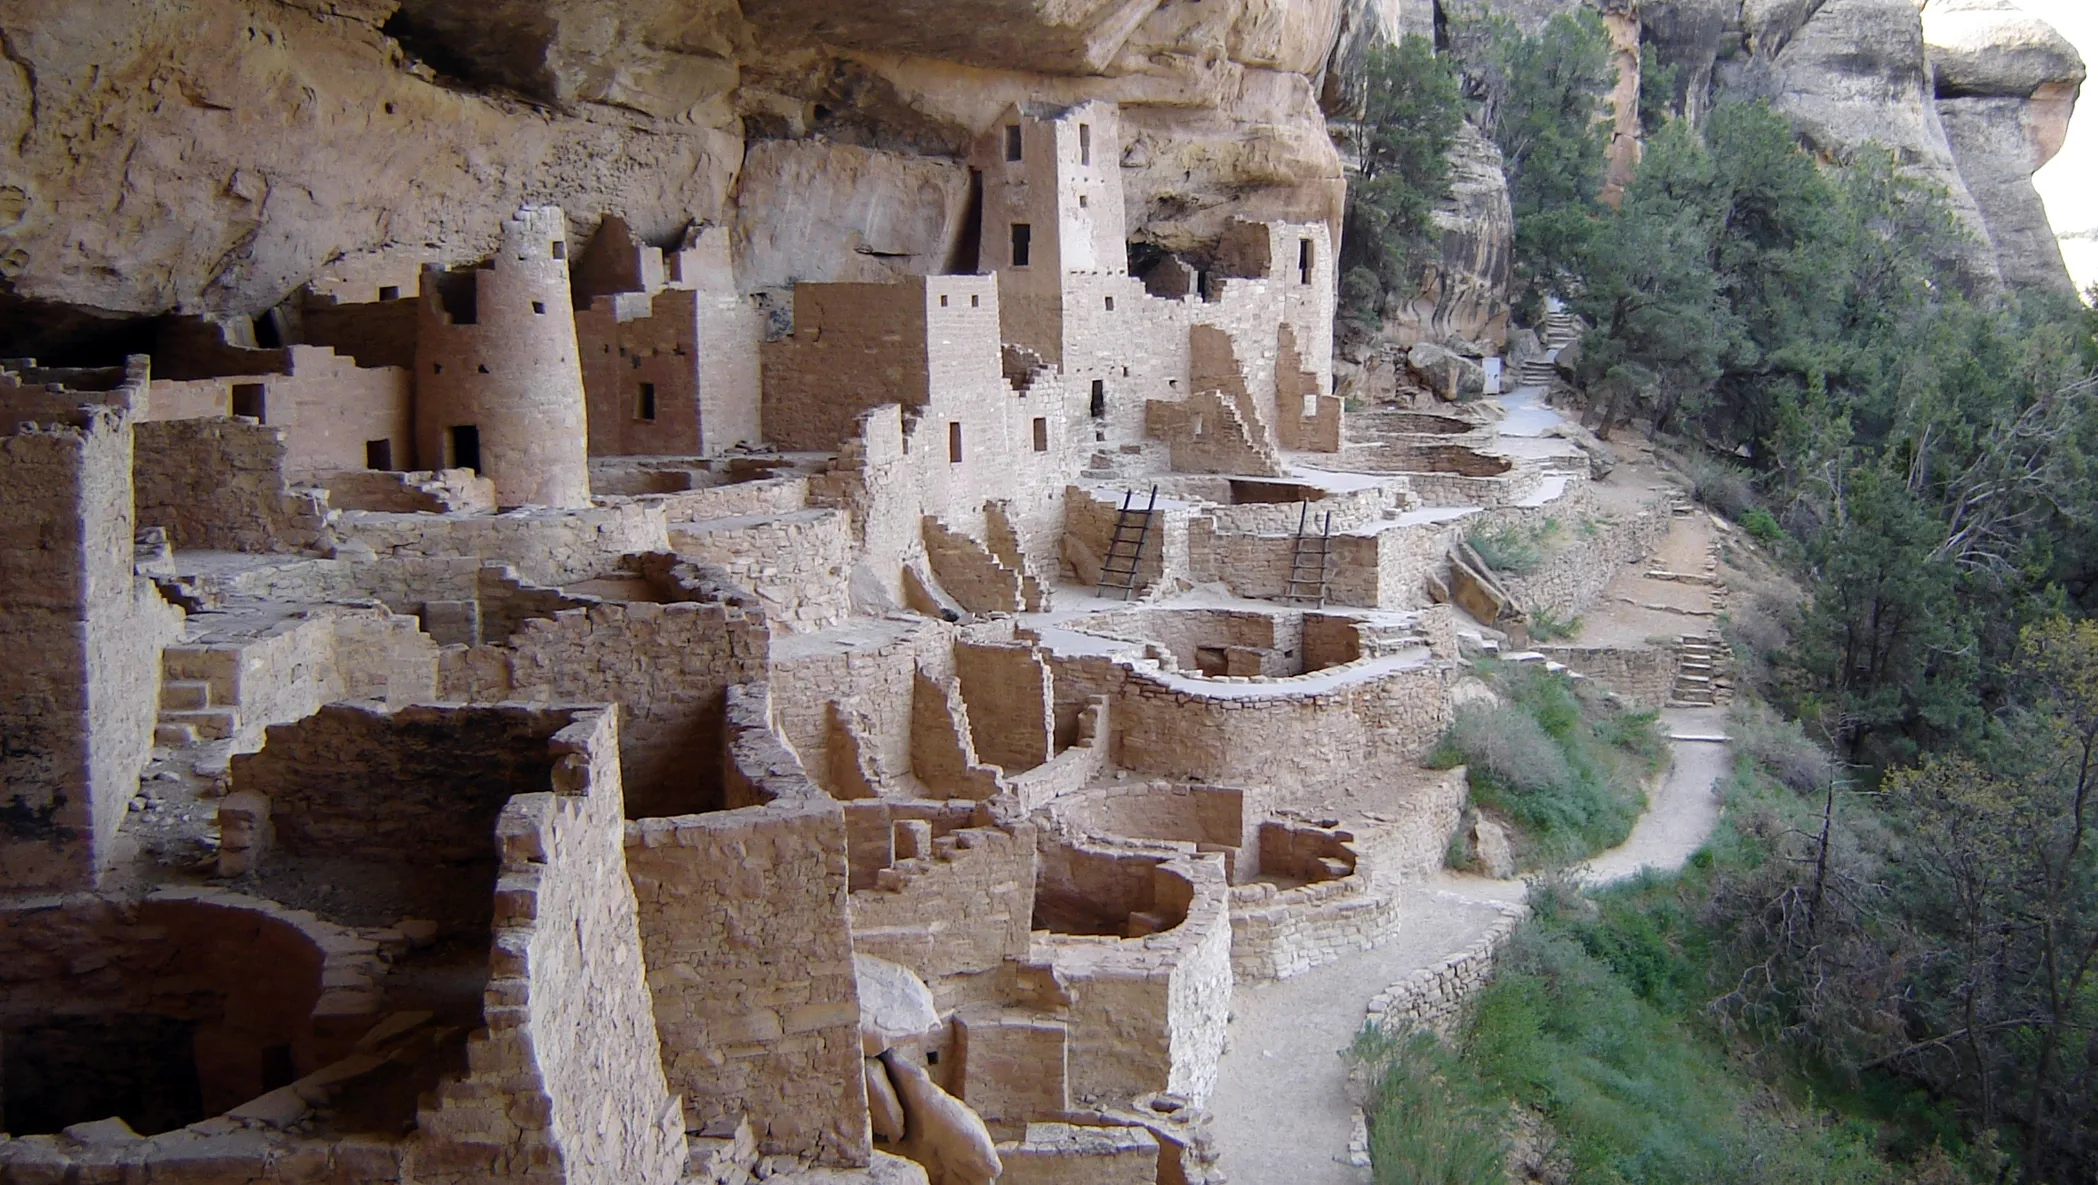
[1464, 294]
[1850, 73]
[213, 158]
[2006, 85]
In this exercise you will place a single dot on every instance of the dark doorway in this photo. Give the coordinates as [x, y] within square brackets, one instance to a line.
[1099, 407]
[466, 447]
[378, 454]
[645, 403]
[1023, 243]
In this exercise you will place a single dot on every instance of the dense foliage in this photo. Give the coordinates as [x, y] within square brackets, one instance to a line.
[1410, 118]
[1886, 958]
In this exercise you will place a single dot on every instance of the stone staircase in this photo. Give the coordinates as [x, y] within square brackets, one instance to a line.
[192, 708]
[1560, 328]
[1702, 673]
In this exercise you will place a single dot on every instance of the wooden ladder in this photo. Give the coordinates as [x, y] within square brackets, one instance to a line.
[1132, 526]
[1312, 555]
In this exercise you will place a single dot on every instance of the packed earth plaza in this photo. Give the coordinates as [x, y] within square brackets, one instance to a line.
[555, 719]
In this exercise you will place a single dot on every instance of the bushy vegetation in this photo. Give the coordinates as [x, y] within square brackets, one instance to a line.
[1432, 1119]
[1411, 116]
[1565, 771]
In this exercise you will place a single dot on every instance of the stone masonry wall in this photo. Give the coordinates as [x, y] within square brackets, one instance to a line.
[81, 687]
[667, 666]
[1576, 573]
[1434, 997]
[567, 1069]
[749, 952]
[219, 485]
[960, 909]
[798, 563]
[550, 547]
[1643, 675]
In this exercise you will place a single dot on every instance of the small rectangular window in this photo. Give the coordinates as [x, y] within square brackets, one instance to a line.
[1023, 240]
[1110, 304]
[378, 454]
[465, 447]
[975, 301]
[1099, 405]
[1304, 261]
[560, 250]
[1311, 407]
[1082, 202]
[645, 405]
[943, 300]
[249, 399]
[1085, 144]
[539, 307]
[954, 442]
[1012, 141]
[389, 292]
[1041, 434]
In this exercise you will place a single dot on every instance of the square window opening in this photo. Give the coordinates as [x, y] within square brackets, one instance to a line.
[539, 307]
[389, 292]
[1023, 243]
[251, 400]
[954, 442]
[378, 454]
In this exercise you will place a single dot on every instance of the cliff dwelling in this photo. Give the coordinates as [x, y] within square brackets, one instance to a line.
[638, 660]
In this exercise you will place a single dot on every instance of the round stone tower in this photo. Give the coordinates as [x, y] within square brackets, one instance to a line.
[498, 380]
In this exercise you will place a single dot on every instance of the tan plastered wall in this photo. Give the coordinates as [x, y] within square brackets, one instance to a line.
[514, 374]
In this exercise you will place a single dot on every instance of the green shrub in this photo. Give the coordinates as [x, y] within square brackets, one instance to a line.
[1762, 526]
[1431, 1120]
[1547, 626]
[1722, 486]
[1569, 783]
[1506, 549]
[1780, 747]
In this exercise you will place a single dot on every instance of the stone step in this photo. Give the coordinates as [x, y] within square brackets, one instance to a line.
[184, 695]
[212, 724]
[175, 736]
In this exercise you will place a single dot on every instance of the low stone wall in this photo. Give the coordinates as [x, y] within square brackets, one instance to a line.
[1249, 730]
[1575, 574]
[1434, 997]
[1642, 675]
[962, 906]
[545, 546]
[1277, 933]
[1063, 1154]
[766, 496]
[798, 562]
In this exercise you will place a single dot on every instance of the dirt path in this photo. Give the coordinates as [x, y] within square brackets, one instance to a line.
[1281, 1105]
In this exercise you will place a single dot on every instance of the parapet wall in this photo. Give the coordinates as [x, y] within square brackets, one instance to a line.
[545, 546]
[1433, 998]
